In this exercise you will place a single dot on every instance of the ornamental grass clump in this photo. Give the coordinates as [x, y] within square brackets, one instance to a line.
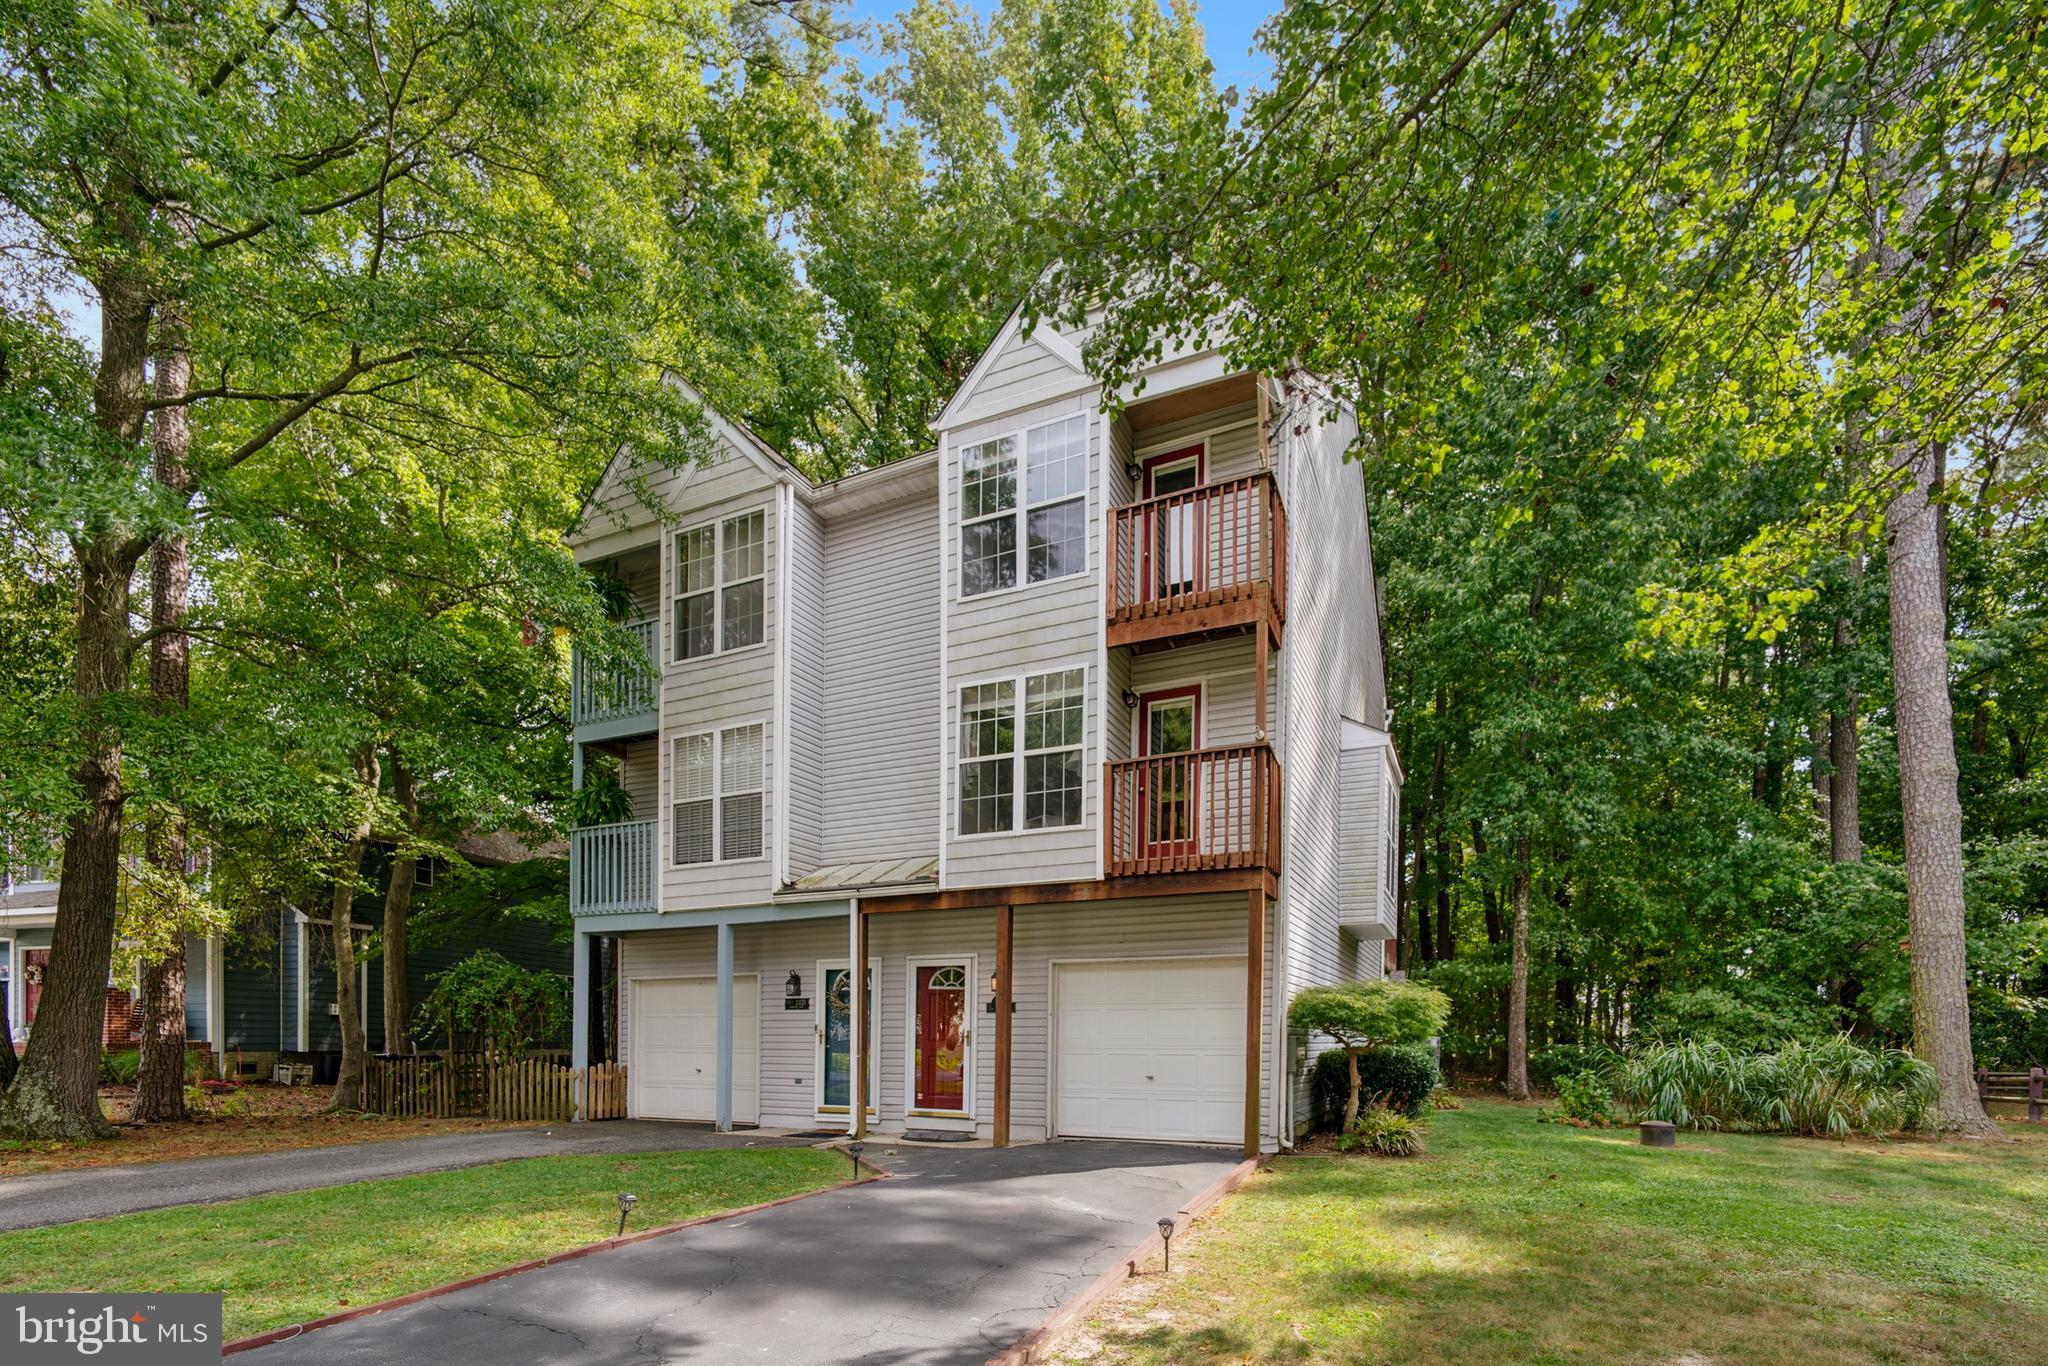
[1384, 1132]
[1833, 1088]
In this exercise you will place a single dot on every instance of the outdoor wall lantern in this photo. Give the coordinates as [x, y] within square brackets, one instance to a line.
[994, 981]
[626, 1203]
[794, 987]
[1130, 699]
[1133, 471]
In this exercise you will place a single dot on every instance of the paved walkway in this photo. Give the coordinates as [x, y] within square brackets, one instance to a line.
[953, 1259]
[96, 1192]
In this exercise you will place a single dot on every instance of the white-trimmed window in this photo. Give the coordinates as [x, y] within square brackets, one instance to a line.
[720, 585]
[1030, 529]
[1022, 737]
[718, 812]
[1392, 824]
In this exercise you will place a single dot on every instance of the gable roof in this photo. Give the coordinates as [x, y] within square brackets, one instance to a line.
[1044, 336]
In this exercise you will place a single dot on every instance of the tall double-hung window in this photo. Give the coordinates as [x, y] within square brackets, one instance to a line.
[720, 583]
[1020, 753]
[719, 790]
[1024, 507]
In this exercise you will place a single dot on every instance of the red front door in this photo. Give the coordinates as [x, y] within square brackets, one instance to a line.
[1169, 729]
[941, 1071]
[34, 963]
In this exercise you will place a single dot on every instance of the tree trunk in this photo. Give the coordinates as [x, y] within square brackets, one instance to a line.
[1446, 947]
[1351, 1103]
[1932, 811]
[355, 1043]
[160, 1081]
[1518, 980]
[397, 907]
[55, 1094]
[1845, 830]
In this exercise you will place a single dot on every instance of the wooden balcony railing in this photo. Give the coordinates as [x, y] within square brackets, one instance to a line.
[600, 695]
[1207, 559]
[1191, 812]
[611, 869]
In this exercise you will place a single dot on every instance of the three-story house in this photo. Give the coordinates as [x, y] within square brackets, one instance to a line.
[1069, 735]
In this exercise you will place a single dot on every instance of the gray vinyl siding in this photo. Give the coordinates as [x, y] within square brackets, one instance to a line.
[1183, 927]
[1228, 674]
[1330, 623]
[880, 721]
[1023, 375]
[1033, 628]
[808, 689]
[722, 690]
[640, 775]
[1231, 435]
[788, 1040]
[1362, 857]
[1042, 936]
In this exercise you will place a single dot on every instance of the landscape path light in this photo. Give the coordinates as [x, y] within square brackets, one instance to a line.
[1165, 1244]
[626, 1202]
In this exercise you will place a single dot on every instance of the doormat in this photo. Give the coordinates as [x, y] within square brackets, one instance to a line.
[937, 1136]
[818, 1133]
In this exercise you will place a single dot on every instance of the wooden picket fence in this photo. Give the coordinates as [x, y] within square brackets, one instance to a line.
[530, 1087]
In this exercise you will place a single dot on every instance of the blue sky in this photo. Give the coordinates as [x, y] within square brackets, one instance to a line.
[1228, 25]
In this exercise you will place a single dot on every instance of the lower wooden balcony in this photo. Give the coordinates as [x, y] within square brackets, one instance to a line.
[1198, 811]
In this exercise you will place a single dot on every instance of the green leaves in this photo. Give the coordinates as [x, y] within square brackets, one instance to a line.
[1370, 1014]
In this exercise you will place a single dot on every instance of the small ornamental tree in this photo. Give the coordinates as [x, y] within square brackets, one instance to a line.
[1362, 1016]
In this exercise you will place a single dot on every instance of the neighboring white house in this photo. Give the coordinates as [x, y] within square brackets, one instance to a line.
[1071, 730]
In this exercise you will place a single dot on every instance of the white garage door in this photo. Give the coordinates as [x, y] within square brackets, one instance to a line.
[673, 1071]
[1150, 1050]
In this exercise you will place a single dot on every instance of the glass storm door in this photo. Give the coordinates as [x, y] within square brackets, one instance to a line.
[1174, 538]
[941, 1045]
[1169, 726]
[836, 1038]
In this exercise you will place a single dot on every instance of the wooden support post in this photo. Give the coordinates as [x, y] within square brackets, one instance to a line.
[1261, 670]
[857, 1024]
[1004, 959]
[1254, 1013]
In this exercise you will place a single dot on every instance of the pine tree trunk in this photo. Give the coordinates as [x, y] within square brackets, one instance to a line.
[56, 1090]
[397, 907]
[160, 1082]
[1518, 981]
[355, 1043]
[1932, 811]
[1845, 828]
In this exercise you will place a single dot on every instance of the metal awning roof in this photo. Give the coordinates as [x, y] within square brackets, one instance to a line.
[857, 876]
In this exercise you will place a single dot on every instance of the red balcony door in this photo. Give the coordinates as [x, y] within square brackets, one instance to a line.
[1173, 530]
[1169, 731]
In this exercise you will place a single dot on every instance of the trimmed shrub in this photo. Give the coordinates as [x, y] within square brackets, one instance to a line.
[1385, 1132]
[1833, 1088]
[1400, 1076]
[1583, 1100]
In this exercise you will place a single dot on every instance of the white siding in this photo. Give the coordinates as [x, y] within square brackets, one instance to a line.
[881, 695]
[1229, 677]
[1231, 436]
[1021, 374]
[809, 691]
[1033, 628]
[726, 689]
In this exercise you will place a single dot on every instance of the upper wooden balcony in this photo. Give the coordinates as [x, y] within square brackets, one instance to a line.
[1196, 811]
[1199, 562]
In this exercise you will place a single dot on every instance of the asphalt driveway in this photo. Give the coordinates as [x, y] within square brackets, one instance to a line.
[96, 1192]
[951, 1260]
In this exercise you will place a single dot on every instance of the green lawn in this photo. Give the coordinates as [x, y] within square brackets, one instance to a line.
[282, 1259]
[1519, 1241]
